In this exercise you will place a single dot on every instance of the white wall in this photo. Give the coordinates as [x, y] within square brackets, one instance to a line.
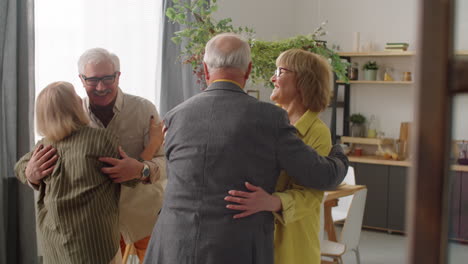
[378, 21]
[271, 19]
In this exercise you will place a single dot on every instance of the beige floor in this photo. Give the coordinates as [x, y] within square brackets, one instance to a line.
[384, 248]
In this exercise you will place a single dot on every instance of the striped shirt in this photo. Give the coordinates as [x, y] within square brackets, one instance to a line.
[77, 207]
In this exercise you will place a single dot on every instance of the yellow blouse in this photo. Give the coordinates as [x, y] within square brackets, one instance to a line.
[297, 226]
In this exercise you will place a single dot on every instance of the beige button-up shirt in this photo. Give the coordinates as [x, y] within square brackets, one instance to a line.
[139, 206]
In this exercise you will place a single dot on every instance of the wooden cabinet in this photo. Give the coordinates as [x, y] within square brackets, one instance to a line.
[463, 226]
[386, 198]
[386, 195]
[458, 214]
[397, 197]
[455, 199]
[375, 177]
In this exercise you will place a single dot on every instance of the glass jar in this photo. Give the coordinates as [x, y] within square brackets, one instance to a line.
[353, 72]
[372, 130]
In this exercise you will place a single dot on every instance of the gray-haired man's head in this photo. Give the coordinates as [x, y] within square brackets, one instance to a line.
[227, 50]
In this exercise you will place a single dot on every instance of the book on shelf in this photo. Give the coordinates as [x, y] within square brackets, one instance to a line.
[396, 46]
[394, 50]
[405, 48]
[397, 43]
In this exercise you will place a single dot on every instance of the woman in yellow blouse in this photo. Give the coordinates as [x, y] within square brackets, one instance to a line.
[302, 87]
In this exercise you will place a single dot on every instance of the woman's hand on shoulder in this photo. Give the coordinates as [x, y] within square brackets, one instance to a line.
[156, 139]
[156, 135]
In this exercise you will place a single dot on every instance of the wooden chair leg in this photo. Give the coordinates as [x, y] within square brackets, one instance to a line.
[127, 253]
[328, 219]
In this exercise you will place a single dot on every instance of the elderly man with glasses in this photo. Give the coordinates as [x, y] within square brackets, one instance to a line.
[130, 118]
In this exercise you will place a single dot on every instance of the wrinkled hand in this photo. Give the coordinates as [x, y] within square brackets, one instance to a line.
[252, 202]
[41, 164]
[124, 169]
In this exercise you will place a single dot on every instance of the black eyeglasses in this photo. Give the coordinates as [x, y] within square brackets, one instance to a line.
[280, 71]
[94, 81]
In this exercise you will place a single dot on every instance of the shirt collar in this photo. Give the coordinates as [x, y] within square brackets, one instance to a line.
[119, 101]
[306, 121]
[227, 80]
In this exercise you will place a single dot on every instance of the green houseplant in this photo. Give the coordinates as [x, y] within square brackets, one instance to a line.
[198, 31]
[370, 70]
[357, 125]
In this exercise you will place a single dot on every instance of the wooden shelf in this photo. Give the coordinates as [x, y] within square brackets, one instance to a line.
[462, 52]
[378, 82]
[379, 161]
[376, 54]
[389, 53]
[367, 141]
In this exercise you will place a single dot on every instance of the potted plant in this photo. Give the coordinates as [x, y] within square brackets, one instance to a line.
[198, 31]
[370, 71]
[357, 125]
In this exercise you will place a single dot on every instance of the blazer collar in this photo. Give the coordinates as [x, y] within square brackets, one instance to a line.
[227, 86]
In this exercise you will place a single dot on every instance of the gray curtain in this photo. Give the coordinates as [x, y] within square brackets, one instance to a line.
[17, 217]
[177, 81]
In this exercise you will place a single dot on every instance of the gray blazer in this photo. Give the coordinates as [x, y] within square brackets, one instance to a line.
[215, 142]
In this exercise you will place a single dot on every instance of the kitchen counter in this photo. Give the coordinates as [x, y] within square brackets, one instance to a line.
[402, 163]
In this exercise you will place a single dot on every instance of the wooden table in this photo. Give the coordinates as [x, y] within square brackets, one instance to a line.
[332, 201]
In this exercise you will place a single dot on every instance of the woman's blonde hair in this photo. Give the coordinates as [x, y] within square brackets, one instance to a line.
[313, 77]
[59, 111]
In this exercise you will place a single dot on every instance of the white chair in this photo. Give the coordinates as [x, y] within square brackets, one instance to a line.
[351, 232]
[324, 245]
[340, 212]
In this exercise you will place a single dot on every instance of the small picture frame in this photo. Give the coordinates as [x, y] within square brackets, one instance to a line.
[254, 93]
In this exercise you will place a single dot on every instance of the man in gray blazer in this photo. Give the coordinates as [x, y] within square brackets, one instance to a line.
[215, 142]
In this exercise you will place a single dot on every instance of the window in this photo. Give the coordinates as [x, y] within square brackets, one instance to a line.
[130, 29]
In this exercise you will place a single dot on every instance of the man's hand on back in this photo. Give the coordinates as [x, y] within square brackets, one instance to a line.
[124, 169]
[41, 164]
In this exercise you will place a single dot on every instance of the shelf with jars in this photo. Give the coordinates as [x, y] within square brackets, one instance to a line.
[386, 73]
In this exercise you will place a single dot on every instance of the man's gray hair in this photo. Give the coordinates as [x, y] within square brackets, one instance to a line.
[233, 52]
[95, 56]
